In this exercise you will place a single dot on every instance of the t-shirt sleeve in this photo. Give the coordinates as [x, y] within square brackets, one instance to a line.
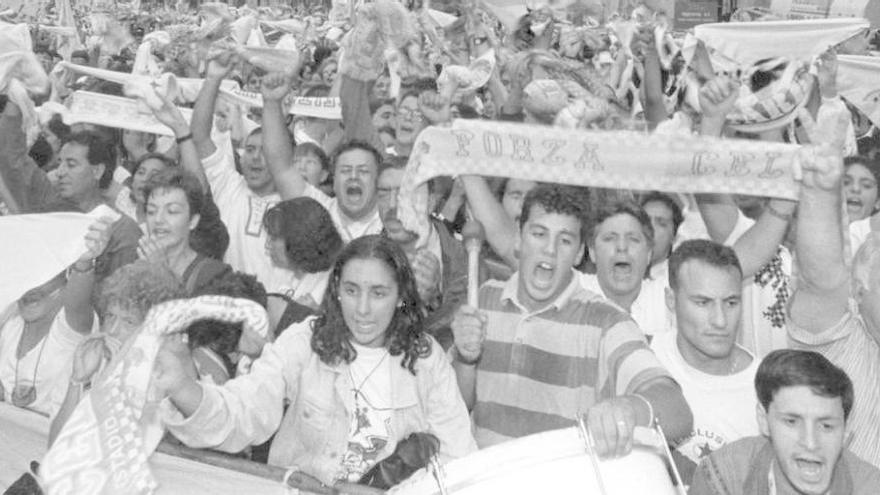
[858, 232]
[628, 361]
[220, 170]
[318, 195]
[841, 330]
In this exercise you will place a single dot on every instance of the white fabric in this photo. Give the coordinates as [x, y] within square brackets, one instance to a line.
[35, 248]
[242, 212]
[746, 42]
[858, 232]
[723, 406]
[311, 285]
[348, 229]
[758, 333]
[371, 423]
[857, 78]
[648, 310]
[115, 111]
[50, 361]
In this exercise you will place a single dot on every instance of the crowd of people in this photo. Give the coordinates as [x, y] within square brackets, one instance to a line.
[746, 328]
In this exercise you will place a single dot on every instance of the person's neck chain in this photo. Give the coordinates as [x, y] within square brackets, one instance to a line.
[358, 393]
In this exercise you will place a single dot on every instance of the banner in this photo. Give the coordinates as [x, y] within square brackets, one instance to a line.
[323, 108]
[104, 446]
[748, 42]
[616, 159]
[115, 111]
[858, 81]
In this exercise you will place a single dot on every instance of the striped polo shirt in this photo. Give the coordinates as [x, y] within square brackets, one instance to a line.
[539, 370]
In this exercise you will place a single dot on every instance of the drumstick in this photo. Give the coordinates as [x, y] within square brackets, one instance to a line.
[591, 452]
[473, 235]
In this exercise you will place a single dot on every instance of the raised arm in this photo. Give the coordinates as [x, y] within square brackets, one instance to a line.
[188, 154]
[25, 183]
[277, 145]
[81, 278]
[500, 228]
[821, 298]
[203, 111]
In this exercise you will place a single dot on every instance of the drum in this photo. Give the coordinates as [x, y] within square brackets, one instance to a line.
[551, 462]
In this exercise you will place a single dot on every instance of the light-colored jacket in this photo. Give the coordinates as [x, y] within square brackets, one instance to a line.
[313, 434]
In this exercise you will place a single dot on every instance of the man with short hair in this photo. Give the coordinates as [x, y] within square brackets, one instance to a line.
[666, 217]
[86, 166]
[355, 170]
[620, 244]
[541, 350]
[716, 375]
[835, 311]
[805, 405]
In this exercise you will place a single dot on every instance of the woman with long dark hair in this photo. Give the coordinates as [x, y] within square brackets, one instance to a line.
[360, 377]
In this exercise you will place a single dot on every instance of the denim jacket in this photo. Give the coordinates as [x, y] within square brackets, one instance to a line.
[313, 434]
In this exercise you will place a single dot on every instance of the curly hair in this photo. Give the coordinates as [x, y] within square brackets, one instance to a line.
[139, 286]
[177, 178]
[311, 241]
[331, 337]
[564, 200]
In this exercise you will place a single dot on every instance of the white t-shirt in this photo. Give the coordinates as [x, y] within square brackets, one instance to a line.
[313, 285]
[765, 297]
[723, 406]
[242, 212]
[648, 310]
[348, 229]
[858, 232]
[50, 361]
[371, 423]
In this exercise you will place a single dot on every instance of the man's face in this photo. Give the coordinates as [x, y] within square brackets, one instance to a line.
[661, 219]
[76, 176]
[384, 116]
[410, 121]
[550, 245]
[386, 202]
[514, 194]
[708, 306]
[253, 165]
[355, 183]
[621, 252]
[807, 433]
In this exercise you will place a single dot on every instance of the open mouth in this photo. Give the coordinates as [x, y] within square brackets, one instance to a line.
[621, 269]
[354, 192]
[810, 470]
[543, 274]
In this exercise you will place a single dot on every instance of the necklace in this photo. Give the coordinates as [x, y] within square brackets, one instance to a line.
[25, 395]
[357, 390]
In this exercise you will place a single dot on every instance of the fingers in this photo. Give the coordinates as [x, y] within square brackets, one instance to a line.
[611, 423]
[469, 331]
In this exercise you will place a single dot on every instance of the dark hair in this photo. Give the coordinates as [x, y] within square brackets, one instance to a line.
[376, 104]
[866, 162]
[220, 336]
[311, 240]
[709, 252]
[168, 161]
[313, 149]
[317, 91]
[623, 207]
[792, 368]
[553, 198]
[659, 197]
[57, 126]
[177, 178]
[405, 334]
[99, 151]
[356, 144]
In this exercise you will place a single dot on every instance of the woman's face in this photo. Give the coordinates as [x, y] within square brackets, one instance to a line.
[410, 121]
[368, 296]
[381, 87]
[41, 301]
[328, 73]
[147, 169]
[860, 191]
[277, 252]
[136, 143]
[383, 117]
[168, 216]
[309, 166]
[254, 83]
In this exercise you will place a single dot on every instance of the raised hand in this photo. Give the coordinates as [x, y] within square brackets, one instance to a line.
[97, 239]
[434, 107]
[469, 332]
[152, 250]
[820, 168]
[718, 97]
[275, 86]
[426, 269]
[88, 357]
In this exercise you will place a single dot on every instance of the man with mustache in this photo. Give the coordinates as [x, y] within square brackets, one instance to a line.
[355, 169]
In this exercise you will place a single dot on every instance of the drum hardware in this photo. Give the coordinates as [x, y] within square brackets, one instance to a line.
[439, 474]
[679, 485]
[587, 438]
